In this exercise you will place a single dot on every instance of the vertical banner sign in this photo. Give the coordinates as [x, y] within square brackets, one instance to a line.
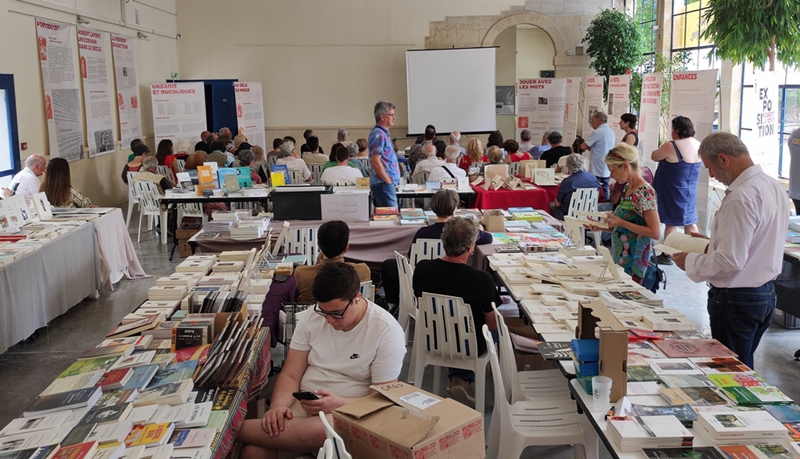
[96, 95]
[61, 101]
[573, 88]
[592, 102]
[618, 102]
[763, 140]
[693, 95]
[649, 118]
[250, 112]
[130, 124]
[540, 105]
[179, 111]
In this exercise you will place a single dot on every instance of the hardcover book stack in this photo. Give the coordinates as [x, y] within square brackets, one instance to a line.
[633, 433]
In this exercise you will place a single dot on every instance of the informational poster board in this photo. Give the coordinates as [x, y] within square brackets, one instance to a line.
[179, 111]
[592, 102]
[540, 105]
[95, 73]
[763, 139]
[57, 56]
[130, 124]
[618, 102]
[693, 95]
[573, 89]
[649, 123]
[250, 112]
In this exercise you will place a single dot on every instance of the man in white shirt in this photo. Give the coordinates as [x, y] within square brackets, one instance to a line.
[27, 180]
[426, 165]
[339, 348]
[745, 252]
[288, 156]
[601, 141]
[341, 173]
[450, 169]
[455, 138]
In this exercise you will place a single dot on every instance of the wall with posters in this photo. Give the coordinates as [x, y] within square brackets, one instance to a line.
[156, 60]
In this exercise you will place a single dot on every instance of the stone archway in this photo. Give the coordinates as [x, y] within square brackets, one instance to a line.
[538, 20]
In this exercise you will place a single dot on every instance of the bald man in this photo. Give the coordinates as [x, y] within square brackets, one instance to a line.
[27, 180]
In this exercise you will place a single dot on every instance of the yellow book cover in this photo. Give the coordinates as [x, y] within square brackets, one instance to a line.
[148, 435]
[277, 178]
[204, 174]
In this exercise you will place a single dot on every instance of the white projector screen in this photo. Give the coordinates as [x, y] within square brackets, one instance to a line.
[452, 89]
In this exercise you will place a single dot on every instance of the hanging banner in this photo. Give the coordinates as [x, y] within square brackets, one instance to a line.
[96, 95]
[573, 88]
[693, 95]
[540, 105]
[763, 140]
[592, 102]
[60, 80]
[618, 102]
[130, 124]
[649, 118]
[250, 112]
[179, 111]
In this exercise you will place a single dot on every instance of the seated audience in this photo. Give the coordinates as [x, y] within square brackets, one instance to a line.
[226, 137]
[338, 350]
[474, 155]
[426, 166]
[450, 169]
[513, 155]
[363, 151]
[341, 173]
[134, 143]
[555, 150]
[540, 149]
[260, 163]
[181, 152]
[304, 148]
[495, 140]
[205, 139]
[341, 138]
[57, 186]
[440, 147]
[195, 159]
[28, 181]
[164, 153]
[455, 139]
[276, 148]
[243, 146]
[525, 141]
[238, 141]
[314, 156]
[219, 154]
[495, 155]
[332, 162]
[246, 158]
[416, 153]
[288, 156]
[451, 275]
[140, 151]
[149, 173]
[578, 178]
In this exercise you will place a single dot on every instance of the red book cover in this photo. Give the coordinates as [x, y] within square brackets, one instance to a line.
[79, 451]
[738, 452]
[115, 379]
[684, 348]
[193, 353]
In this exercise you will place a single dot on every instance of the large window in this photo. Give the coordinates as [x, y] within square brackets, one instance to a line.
[644, 13]
[9, 146]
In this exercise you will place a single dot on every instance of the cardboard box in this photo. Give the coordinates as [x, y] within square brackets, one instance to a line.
[493, 221]
[595, 315]
[184, 248]
[403, 422]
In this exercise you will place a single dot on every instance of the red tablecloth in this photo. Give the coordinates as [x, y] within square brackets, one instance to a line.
[552, 192]
[537, 198]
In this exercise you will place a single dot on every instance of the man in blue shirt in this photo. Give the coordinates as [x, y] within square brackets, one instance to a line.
[600, 142]
[385, 172]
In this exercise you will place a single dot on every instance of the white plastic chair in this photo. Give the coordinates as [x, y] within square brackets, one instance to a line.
[445, 337]
[368, 165]
[425, 249]
[367, 290]
[149, 201]
[337, 443]
[407, 307]
[326, 452]
[303, 239]
[295, 177]
[190, 210]
[513, 169]
[316, 173]
[132, 200]
[167, 172]
[528, 423]
[181, 165]
[420, 178]
[585, 200]
[281, 237]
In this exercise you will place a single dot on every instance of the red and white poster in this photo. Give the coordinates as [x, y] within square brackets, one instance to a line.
[649, 118]
[250, 112]
[540, 105]
[179, 111]
[95, 74]
[618, 102]
[130, 124]
[573, 89]
[62, 104]
[592, 102]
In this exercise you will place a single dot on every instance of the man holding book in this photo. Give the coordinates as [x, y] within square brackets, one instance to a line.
[339, 348]
[745, 252]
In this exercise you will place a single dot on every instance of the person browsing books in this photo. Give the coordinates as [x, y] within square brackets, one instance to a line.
[745, 253]
[340, 347]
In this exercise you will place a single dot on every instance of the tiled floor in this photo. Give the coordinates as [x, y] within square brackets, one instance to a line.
[27, 368]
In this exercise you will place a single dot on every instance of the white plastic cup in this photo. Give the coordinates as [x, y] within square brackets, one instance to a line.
[601, 393]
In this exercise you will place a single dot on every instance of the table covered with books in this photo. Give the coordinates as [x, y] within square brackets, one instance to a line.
[45, 282]
[503, 198]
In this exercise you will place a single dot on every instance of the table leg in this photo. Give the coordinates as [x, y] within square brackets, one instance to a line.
[173, 224]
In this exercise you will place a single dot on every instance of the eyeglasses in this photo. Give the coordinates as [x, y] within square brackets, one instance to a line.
[333, 314]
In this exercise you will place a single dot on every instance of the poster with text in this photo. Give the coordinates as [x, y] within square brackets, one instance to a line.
[763, 140]
[540, 105]
[130, 124]
[618, 102]
[573, 89]
[60, 81]
[649, 122]
[250, 112]
[592, 102]
[693, 95]
[96, 94]
[179, 111]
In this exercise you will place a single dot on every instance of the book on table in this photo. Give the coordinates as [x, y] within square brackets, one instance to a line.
[741, 425]
[170, 394]
[109, 451]
[79, 381]
[81, 398]
[36, 423]
[678, 242]
[79, 451]
[685, 348]
[150, 434]
[632, 433]
[42, 452]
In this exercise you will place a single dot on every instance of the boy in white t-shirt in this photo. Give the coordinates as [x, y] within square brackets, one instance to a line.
[341, 173]
[339, 348]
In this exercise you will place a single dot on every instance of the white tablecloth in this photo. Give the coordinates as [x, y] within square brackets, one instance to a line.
[117, 255]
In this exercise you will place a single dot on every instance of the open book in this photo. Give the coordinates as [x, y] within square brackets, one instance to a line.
[679, 242]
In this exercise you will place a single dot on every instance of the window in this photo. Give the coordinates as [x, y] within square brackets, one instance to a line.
[644, 14]
[9, 145]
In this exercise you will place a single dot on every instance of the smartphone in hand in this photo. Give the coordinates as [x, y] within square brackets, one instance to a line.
[305, 395]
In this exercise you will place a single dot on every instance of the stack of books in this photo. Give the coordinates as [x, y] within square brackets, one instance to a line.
[250, 228]
[739, 427]
[221, 227]
[166, 293]
[413, 216]
[633, 433]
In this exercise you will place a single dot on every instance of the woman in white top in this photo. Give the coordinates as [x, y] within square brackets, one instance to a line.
[341, 173]
[288, 156]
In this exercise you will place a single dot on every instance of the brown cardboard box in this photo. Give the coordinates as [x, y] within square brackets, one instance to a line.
[389, 425]
[493, 221]
[184, 248]
[613, 343]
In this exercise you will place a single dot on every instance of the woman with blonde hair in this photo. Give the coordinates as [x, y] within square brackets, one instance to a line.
[495, 155]
[57, 186]
[238, 140]
[634, 224]
[474, 154]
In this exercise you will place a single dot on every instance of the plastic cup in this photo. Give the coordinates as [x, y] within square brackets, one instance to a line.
[601, 393]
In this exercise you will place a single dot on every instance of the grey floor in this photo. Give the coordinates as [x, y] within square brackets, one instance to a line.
[27, 368]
